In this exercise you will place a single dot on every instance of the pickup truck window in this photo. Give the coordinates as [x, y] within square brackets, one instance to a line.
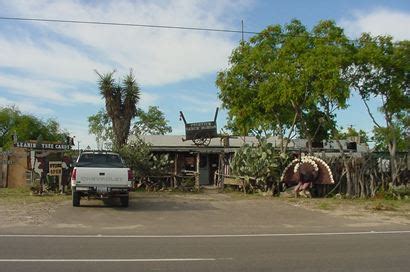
[100, 160]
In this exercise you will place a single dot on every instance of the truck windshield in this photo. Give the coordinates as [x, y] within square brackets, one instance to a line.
[100, 160]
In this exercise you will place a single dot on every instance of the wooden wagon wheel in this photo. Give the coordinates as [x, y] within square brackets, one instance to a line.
[202, 141]
[206, 141]
[198, 141]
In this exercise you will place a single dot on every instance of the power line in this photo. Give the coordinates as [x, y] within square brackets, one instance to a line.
[241, 31]
[126, 24]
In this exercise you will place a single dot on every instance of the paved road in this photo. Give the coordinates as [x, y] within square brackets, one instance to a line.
[202, 233]
[302, 252]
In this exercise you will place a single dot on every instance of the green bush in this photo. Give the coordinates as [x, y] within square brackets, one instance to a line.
[137, 155]
[260, 165]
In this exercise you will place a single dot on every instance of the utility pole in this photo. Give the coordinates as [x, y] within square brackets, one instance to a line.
[242, 30]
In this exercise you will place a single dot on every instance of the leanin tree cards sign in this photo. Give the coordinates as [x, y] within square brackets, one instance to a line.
[42, 146]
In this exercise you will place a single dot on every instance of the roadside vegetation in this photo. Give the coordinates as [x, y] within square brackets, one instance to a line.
[25, 196]
[356, 207]
[27, 127]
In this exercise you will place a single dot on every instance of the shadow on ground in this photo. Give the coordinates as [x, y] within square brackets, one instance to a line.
[147, 204]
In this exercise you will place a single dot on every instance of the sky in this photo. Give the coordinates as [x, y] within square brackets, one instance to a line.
[48, 69]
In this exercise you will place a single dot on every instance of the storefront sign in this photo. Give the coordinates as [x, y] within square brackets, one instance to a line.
[42, 146]
[200, 130]
[55, 168]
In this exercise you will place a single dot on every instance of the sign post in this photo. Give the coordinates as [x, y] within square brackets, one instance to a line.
[55, 169]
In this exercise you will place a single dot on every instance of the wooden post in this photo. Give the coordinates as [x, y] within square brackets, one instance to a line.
[197, 171]
[7, 171]
[174, 179]
[221, 170]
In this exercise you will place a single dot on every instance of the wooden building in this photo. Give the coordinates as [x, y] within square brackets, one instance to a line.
[215, 157]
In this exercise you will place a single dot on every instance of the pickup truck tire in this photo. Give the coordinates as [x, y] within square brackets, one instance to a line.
[76, 199]
[124, 201]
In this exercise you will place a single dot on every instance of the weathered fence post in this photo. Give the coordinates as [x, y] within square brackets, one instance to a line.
[198, 156]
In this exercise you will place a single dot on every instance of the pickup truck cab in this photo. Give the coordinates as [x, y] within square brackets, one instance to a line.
[101, 175]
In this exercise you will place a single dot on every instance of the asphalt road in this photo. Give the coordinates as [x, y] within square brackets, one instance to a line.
[302, 252]
[201, 232]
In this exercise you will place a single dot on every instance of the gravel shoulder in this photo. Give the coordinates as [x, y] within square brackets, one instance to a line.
[397, 211]
[197, 213]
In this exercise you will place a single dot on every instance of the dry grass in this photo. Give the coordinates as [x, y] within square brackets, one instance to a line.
[357, 207]
[23, 195]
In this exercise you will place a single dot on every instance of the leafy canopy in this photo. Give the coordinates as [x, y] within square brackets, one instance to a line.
[381, 70]
[283, 74]
[152, 122]
[27, 127]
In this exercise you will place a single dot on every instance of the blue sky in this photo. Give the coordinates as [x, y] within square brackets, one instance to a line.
[48, 69]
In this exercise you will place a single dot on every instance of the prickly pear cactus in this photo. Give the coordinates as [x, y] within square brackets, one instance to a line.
[260, 162]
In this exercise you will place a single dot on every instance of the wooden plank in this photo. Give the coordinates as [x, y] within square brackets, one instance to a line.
[198, 156]
[233, 181]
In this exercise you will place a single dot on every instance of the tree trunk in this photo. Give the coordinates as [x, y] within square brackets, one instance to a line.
[285, 147]
[309, 145]
[349, 183]
[121, 129]
[393, 161]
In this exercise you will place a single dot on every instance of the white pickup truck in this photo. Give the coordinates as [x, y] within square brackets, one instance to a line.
[101, 175]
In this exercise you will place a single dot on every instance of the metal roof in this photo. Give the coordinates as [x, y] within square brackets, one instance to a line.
[176, 143]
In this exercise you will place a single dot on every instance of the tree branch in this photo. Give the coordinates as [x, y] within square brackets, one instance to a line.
[370, 113]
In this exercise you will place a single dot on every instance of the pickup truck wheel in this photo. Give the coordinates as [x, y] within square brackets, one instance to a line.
[76, 199]
[124, 201]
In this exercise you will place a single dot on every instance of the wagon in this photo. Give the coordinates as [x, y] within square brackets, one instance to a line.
[200, 133]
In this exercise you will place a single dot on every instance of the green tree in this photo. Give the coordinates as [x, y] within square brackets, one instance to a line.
[99, 125]
[152, 122]
[137, 155]
[382, 70]
[121, 100]
[284, 75]
[242, 88]
[27, 127]
[318, 125]
[400, 131]
[351, 132]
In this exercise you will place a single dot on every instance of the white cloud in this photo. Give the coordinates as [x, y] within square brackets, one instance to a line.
[380, 21]
[78, 97]
[147, 99]
[47, 59]
[158, 56]
[199, 102]
[25, 106]
[46, 90]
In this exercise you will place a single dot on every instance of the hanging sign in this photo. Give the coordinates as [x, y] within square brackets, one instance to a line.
[32, 145]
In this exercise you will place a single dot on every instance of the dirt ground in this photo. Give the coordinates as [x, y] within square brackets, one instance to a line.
[169, 212]
[370, 209]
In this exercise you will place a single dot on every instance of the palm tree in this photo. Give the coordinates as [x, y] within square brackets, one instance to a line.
[121, 100]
